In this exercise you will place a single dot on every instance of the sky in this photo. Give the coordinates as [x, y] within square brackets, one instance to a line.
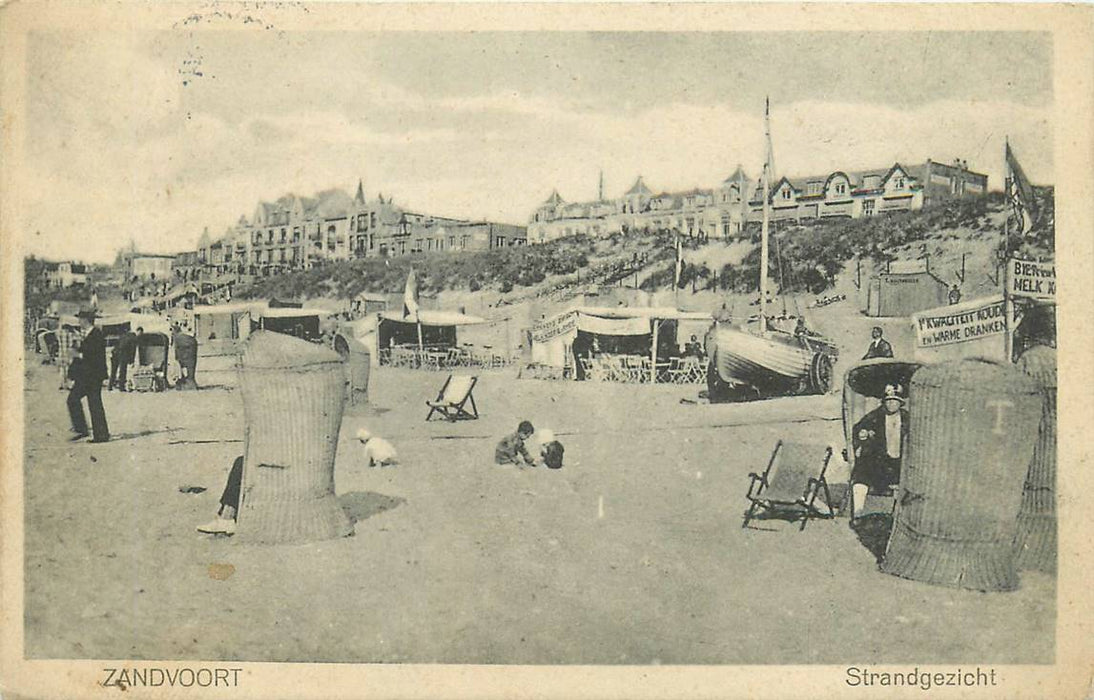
[153, 136]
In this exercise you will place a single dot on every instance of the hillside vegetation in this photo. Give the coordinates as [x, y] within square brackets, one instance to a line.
[805, 257]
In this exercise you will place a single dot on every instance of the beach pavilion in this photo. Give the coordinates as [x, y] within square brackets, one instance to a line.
[636, 344]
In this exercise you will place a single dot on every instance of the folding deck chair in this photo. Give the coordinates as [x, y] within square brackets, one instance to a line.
[792, 481]
[453, 397]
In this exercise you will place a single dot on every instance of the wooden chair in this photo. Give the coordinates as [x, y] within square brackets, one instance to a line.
[453, 399]
[792, 481]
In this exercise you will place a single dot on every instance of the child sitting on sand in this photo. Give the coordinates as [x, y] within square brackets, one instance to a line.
[511, 449]
[379, 451]
[550, 449]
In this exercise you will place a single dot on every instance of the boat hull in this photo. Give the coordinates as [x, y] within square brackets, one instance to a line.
[775, 362]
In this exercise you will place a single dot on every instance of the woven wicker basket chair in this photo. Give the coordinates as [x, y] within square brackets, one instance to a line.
[973, 425]
[293, 399]
[1036, 540]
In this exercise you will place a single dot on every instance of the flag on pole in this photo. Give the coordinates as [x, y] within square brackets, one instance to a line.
[679, 262]
[410, 297]
[1020, 194]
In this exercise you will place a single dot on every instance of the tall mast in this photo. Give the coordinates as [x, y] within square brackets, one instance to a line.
[766, 178]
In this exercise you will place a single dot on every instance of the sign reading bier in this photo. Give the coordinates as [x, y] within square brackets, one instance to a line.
[1033, 280]
[961, 323]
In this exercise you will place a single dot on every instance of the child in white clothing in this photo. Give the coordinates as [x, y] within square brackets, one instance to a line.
[379, 451]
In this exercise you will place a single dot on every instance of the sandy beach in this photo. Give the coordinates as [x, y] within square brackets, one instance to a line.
[632, 553]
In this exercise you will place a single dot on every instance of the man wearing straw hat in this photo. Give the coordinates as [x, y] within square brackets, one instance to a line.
[878, 440]
[88, 373]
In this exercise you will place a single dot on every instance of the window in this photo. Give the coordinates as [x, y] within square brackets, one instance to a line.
[451, 242]
[463, 241]
[814, 187]
[371, 242]
[500, 241]
[372, 220]
[841, 188]
[786, 193]
[868, 207]
[899, 183]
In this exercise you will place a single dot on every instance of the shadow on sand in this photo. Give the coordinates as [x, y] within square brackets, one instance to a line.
[873, 531]
[144, 433]
[362, 505]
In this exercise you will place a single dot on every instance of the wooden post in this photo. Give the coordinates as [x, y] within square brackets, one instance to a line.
[421, 346]
[1008, 303]
[653, 354]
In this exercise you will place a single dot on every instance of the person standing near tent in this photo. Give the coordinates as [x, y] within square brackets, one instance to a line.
[582, 348]
[879, 347]
[121, 357]
[88, 373]
[186, 353]
[879, 440]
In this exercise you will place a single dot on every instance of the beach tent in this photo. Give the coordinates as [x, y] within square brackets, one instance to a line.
[903, 294]
[221, 328]
[438, 328]
[367, 303]
[297, 322]
[622, 330]
[276, 303]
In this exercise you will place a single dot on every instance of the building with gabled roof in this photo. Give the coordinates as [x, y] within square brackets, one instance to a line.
[724, 211]
[297, 232]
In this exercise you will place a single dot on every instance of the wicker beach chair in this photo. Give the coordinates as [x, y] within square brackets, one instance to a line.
[792, 481]
[453, 399]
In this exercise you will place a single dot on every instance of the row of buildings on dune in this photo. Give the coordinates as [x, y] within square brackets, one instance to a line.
[725, 211]
[295, 232]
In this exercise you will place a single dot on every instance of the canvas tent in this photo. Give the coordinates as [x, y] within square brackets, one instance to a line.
[297, 322]
[220, 328]
[438, 327]
[617, 330]
[367, 303]
[903, 294]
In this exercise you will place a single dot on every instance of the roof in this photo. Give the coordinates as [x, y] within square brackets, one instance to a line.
[659, 312]
[266, 312]
[738, 175]
[856, 178]
[435, 317]
[639, 188]
[554, 199]
[236, 308]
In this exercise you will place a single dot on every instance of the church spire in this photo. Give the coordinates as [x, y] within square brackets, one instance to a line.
[360, 196]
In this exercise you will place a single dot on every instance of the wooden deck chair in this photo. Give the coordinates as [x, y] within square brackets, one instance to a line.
[452, 399]
[792, 481]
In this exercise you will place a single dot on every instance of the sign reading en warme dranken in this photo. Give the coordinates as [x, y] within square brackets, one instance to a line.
[1033, 280]
[958, 324]
[554, 327]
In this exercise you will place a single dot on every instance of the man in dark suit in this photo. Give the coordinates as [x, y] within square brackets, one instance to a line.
[88, 373]
[122, 357]
[879, 347]
[879, 441]
[186, 353]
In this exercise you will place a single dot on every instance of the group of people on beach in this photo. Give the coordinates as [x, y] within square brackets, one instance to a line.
[378, 452]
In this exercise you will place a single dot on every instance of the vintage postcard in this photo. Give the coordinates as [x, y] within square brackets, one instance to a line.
[557, 350]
